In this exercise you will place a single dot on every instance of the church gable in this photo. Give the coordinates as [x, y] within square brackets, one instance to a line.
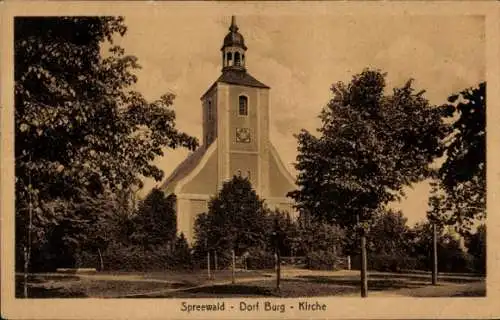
[204, 180]
[183, 170]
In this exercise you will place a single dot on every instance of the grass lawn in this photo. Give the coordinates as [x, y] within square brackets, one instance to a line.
[76, 287]
[200, 277]
[118, 284]
[289, 288]
[474, 289]
[295, 283]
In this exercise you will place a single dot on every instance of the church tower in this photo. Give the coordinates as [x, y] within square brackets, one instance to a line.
[235, 141]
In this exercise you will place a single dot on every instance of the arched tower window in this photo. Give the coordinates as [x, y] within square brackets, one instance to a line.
[229, 58]
[243, 106]
[237, 60]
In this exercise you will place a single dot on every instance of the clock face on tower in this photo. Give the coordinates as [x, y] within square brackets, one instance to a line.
[243, 135]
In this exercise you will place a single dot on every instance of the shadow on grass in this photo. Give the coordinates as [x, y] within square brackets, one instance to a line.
[455, 274]
[199, 277]
[424, 278]
[232, 290]
[300, 288]
[470, 294]
[39, 287]
[470, 290]
[373, 284]
[44, 278]
[48, 293]
[260, 288]
[37, 290]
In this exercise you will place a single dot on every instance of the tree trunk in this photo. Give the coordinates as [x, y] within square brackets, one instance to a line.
[233, 280]
[215, 261]
[26, 265]
[278, 269]
[101, 261]
[434, 255]
[364, 267]
[208, 265]
[27, 248]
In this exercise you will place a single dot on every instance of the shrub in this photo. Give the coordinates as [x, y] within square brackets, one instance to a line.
[87, 259]
[449, 260]
[260, 259]
[224, 259]
[455, 261]
[199, 257]
[389, 262]
[134, 258]
[392, 262]
[322, 260]
[118, 257]
[480, 264]
[180, 257]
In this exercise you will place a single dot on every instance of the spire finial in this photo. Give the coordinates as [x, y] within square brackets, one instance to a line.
[233, 26]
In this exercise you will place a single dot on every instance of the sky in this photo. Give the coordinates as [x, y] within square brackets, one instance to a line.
[300, 56]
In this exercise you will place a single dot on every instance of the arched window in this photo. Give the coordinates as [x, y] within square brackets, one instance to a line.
[243, 106]
[229, 58]
[237, 61]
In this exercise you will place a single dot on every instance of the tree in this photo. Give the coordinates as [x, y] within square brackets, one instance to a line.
[181, 252]
[451, 256]
[94, 224]
[389, 233]
[421, 237]
[463, 174]
[201, 234]
[155, 222]
[80, 129]
[476, 246]
[370, 146]
[280, 224]
[236, 219]
[314, 235]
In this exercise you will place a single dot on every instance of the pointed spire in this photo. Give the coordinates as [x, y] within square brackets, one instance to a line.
[233, 27]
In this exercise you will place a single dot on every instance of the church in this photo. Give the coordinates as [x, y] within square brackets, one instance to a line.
[236, 141]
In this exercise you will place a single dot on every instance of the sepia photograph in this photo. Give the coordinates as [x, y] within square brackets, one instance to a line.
[197, 156]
